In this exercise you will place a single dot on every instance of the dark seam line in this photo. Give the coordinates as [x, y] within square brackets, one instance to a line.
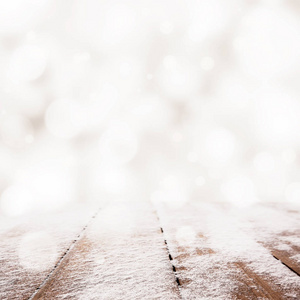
[173, 267]
[62, 257]
[286, 265]
[170, 258]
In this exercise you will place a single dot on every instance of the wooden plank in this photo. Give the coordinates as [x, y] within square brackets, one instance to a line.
[122, 255]
[278, 229]
[216, 256]
[31, 247]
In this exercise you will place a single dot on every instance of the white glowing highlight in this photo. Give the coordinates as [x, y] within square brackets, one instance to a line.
[16, 200]
[262, 53]
[16, 131]
[208, 18]
[207, 63]
[173, 192]
[264, 162]
[220, 145]
[119, 22]
[64, 118]
[277, 117]
[240, 191]
[19, 15]
[118, 144]
[292, 193]
[51, 184]
[178, 79]
[28, 63]
[166, 27]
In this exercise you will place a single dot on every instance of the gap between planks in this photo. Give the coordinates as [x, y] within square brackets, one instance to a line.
[62, 257]
[263, 285]
[265, 289]
[286, 262]
[170, 257]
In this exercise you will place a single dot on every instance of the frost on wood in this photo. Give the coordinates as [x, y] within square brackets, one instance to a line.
[122, 255]
[31, 247]
[211, 251]
[224, 253]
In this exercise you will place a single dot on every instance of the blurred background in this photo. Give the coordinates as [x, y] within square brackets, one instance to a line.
[147, 100]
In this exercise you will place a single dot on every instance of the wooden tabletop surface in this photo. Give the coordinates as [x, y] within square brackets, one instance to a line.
[153, 251]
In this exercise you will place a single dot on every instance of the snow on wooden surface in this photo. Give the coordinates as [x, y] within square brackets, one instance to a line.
[219, 252]
[277, 227]
[140, 251]
[31, 247]
[122, 255]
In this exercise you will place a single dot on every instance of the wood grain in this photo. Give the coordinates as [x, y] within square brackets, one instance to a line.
[129, 251]
[127, 260]
[280, 224]
[218, 260]
[31, 247]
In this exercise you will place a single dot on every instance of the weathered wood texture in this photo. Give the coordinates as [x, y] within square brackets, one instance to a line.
[277, 227]
[221, 252]
[122, 255]
[31, 247]
[283, 234]
[137, 251]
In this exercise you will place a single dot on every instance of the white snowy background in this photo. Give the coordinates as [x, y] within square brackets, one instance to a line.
[170, 100]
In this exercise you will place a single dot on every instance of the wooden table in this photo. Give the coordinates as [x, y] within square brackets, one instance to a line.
[145, 251]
